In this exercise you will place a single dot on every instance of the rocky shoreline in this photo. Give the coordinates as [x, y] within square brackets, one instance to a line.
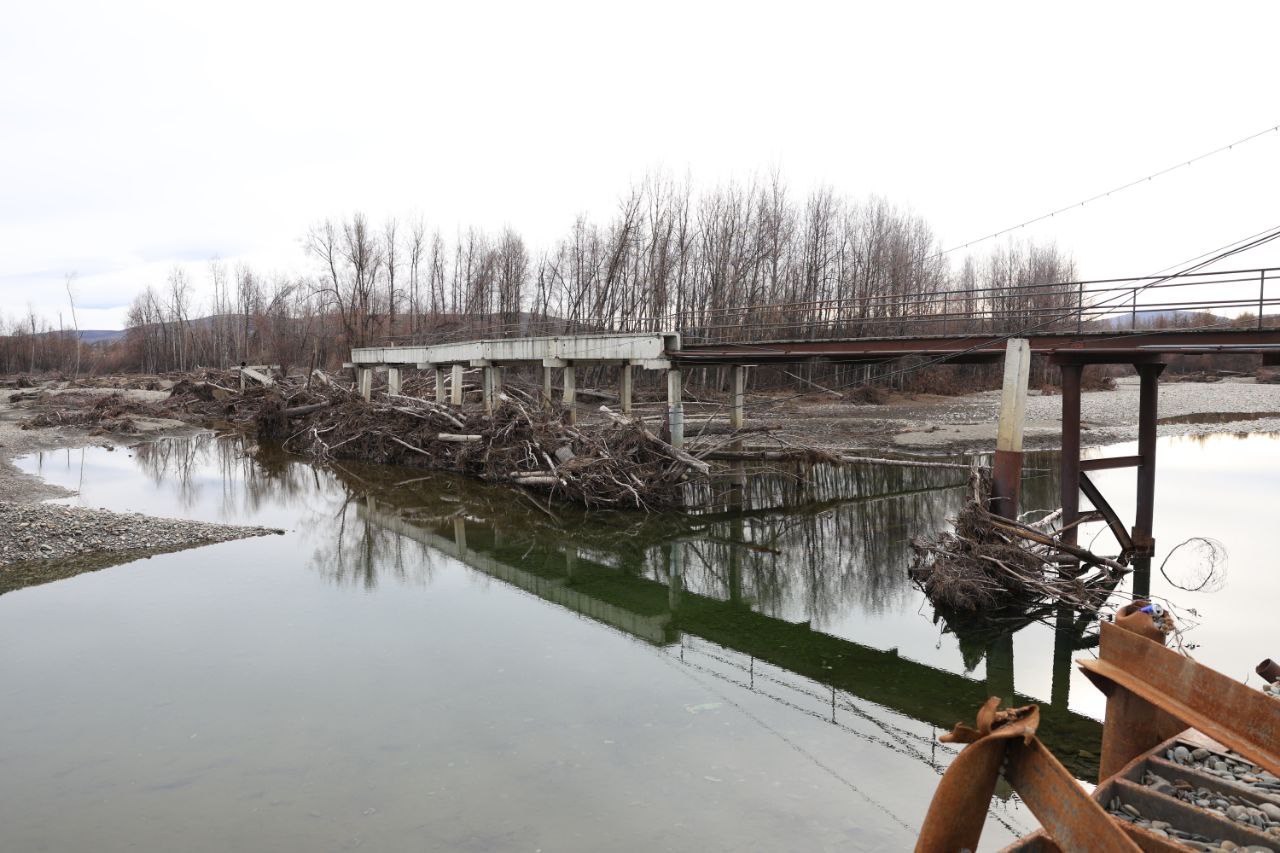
[52, 533]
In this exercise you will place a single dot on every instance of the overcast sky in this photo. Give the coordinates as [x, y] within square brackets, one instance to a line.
[136, 136]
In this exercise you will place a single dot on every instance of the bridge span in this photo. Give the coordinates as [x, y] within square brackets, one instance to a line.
[1146, 350]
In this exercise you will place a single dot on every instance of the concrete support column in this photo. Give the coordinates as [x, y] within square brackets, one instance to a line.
[455, 385]
[489, 385]
[571, 393]
[393, 380]
[364, 381]
[626, 389]
[738, 414]
[1148, 406]
[546, 386]
[441, 395]
[1070, 462]
[1006, 474]
[675, 407]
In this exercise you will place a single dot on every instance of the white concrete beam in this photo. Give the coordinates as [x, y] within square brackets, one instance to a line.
[592, 348]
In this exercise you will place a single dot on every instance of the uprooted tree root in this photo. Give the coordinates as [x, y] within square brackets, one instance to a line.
[986, 563]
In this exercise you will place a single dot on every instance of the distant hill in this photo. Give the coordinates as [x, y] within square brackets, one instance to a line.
[101, 336]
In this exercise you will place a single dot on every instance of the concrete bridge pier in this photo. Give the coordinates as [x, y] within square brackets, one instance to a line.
[393, 380]
[571, 392]
[488, 383]
[675, 407]
[441, 396]
[455, 385]
[364, 382]
[546, 385]
[624, 391]
[737, 415]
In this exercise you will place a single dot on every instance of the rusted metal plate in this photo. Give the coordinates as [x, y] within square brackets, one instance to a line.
[1234, 714]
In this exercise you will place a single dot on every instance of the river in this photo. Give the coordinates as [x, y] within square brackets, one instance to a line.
[423, 662]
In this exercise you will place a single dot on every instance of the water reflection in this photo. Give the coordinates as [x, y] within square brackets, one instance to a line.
[785, 600]
[760, 584]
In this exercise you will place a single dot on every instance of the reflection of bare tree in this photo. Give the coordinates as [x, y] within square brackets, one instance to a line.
[837, 537]
[247, 480]
[361, 553]
[816, 540]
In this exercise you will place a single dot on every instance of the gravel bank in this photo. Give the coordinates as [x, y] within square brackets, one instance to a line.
[968, 422]
[46, 541]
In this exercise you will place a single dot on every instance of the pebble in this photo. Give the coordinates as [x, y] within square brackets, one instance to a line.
[52, 532]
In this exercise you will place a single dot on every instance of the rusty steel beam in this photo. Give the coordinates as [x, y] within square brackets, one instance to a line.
[1070, 457]
[1069, 815]
[1144, 514]
[1108, 514]
[1095, 347]
[1110, 462]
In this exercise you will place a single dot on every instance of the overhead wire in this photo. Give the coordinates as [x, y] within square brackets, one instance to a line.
[1106, 193]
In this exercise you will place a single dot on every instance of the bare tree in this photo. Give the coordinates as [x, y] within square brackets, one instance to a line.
[69, 281]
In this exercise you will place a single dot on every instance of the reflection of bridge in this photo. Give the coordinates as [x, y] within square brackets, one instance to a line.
[659, 612]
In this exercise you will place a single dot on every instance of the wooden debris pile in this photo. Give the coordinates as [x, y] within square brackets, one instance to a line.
[620, 464]
[986, 562]
[112, 413]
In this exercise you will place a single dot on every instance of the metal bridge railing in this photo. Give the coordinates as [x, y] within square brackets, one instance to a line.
[1180, 300]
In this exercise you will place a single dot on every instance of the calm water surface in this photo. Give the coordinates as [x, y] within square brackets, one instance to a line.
[435, 664]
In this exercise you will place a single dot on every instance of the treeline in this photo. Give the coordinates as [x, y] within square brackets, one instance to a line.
[741, 261]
